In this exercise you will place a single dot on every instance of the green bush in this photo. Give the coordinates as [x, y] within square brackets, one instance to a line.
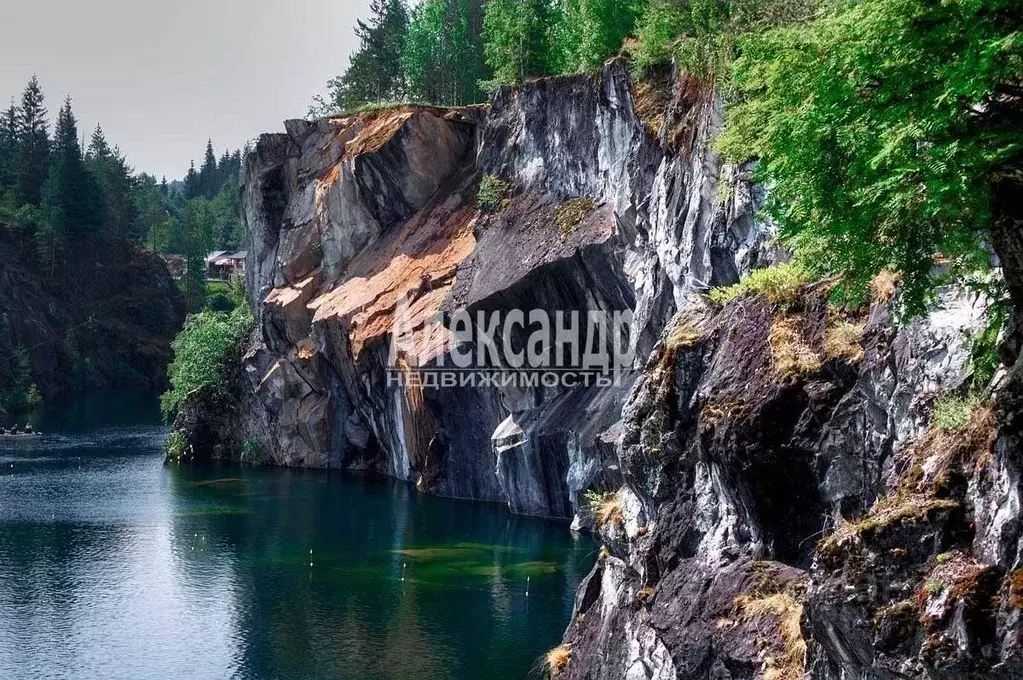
[175, 445]
[202, 352]
[780, 284]
[952, 411]
[491, 194]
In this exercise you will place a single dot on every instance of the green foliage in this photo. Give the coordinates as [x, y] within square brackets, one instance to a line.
[443, 60]
[71, 193]
[516, 40]
[114, 176]
[984, 358]
[953, 411]
[452, 51]
[780, 284]
[591, 31]
[199, 240]
[175, 445]
[32, 145]
[703, 35]
[202, 353]
[375, 72]
[218, 297]
[491, 194]
[878, 126]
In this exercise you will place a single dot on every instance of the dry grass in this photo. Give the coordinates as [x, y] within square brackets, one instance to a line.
[606, 508]
[557, 659]
[790, 665]
[644, 595]
[884, 286]
[887, 512]
[842, 341]
[793, 357]
[570, 214]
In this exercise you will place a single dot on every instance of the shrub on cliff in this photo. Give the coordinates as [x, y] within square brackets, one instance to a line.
[203, 351]
[491, 194]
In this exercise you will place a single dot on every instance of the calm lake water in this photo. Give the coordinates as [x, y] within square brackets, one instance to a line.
[113, 565]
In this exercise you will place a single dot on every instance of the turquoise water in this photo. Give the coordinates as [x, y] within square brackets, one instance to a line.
[113, 565]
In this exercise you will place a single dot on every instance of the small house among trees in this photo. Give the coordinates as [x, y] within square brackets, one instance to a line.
[224, 265]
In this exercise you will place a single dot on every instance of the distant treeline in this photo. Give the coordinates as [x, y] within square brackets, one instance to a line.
[454, 51]
[62, 193]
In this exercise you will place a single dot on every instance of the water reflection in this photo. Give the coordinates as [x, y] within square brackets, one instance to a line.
[114, 566]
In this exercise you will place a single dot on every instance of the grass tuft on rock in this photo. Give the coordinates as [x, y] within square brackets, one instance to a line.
[952, 412]
[606, 508]
[780, 284]
[790, 664]
[842, 341]
[793, 357]
[570, 214]
[684, 338]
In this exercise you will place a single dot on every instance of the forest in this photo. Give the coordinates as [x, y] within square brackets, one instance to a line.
[76, 221]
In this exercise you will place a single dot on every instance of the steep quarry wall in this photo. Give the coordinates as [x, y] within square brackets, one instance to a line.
[351, 218]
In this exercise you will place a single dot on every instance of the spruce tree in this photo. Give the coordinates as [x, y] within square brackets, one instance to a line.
[33, 144]
[8, 148]
[208, 173]
[71, 195]
[193, 186]
[114, 175]
[375, 72]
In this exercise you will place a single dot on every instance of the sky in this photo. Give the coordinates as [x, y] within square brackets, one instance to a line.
[163, 77]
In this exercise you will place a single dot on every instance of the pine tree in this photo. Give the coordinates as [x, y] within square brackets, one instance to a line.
[33, 144]
[224, 170]
[375, 71]
[98, 147]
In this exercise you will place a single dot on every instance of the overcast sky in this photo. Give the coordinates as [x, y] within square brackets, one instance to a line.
[162, 77]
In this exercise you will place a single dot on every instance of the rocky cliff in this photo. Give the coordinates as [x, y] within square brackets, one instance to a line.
[611, 199]
[773, 495]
